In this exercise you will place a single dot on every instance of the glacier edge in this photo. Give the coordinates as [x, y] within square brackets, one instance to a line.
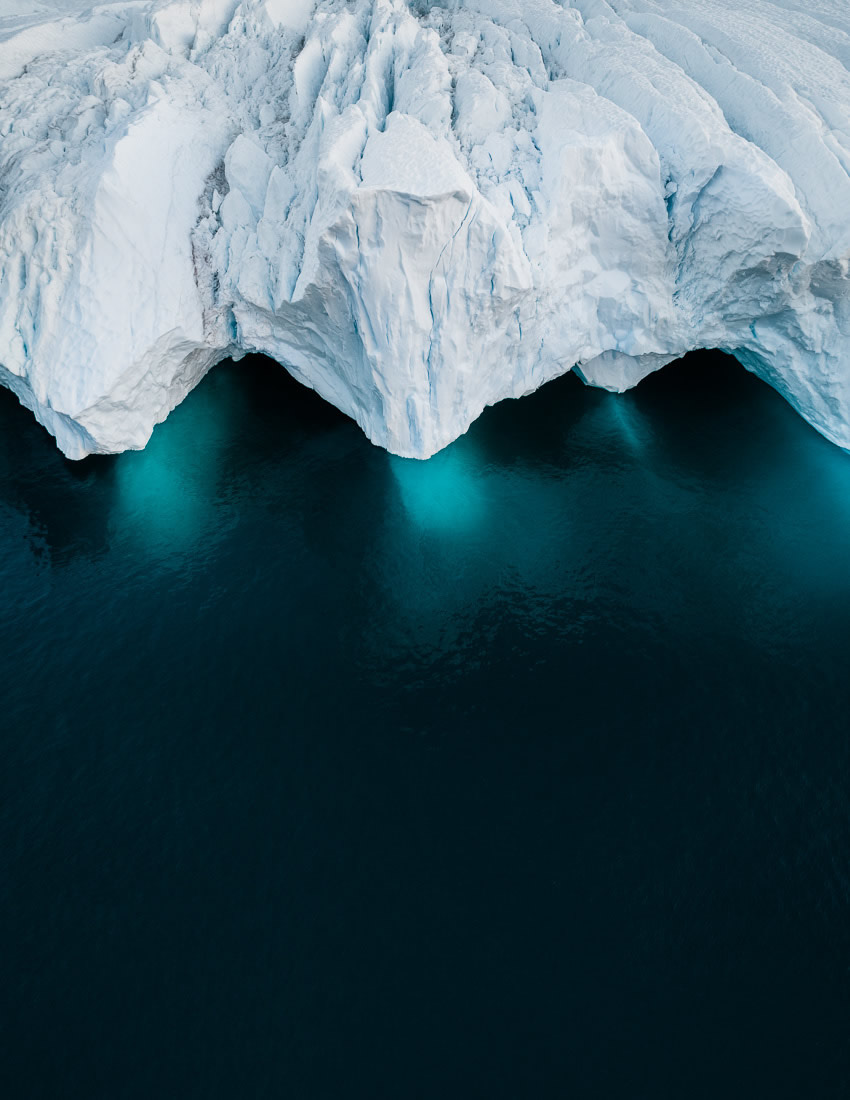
[419, 209]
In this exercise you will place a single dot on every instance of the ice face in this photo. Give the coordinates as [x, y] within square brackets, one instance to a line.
[418, 209]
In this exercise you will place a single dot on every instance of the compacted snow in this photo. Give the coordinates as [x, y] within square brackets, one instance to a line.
[419, 209]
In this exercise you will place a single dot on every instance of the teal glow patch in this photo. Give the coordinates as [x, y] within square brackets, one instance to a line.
[445, 493]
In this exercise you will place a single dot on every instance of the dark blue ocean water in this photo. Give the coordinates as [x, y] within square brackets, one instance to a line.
[522, 772]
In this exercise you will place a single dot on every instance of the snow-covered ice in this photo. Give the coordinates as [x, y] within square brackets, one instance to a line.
[419, 209]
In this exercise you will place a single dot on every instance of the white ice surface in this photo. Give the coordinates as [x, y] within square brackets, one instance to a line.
[418, 209]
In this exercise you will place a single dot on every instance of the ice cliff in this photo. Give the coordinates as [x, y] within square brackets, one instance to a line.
[419, 209]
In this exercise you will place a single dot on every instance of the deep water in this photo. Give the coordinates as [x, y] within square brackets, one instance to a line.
[522, 772]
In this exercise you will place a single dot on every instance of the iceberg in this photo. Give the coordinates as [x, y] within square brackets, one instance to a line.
[419, 209]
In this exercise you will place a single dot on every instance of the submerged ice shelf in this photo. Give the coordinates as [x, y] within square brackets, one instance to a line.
[419, 209]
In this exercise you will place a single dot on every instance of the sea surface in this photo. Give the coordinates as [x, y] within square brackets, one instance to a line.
[522, 772]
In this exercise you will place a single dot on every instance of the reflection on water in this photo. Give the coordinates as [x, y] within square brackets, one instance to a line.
[541, 743]
[443, 495]
[165, 495]
[694, 515]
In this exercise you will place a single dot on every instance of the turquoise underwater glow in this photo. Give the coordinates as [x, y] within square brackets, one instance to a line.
[523, 771]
